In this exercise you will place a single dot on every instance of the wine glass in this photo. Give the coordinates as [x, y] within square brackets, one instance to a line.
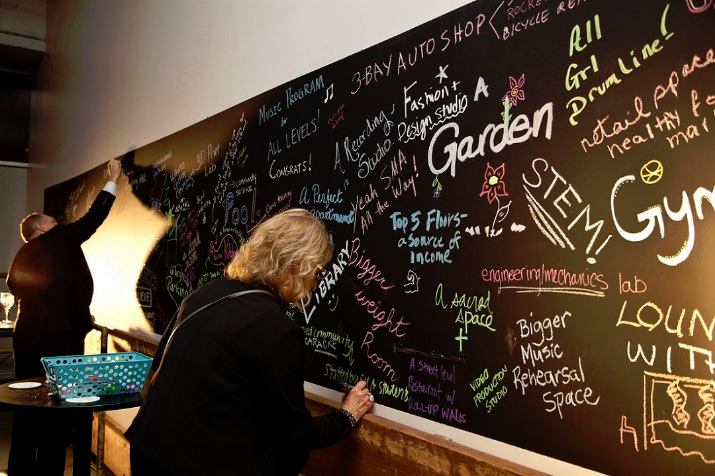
[7, 300]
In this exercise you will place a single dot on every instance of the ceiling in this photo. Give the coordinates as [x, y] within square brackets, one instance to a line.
[19, 60]
[23, 32]
[23, 37]
[17, 70]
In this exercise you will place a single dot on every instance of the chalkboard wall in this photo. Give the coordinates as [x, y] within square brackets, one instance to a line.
[521, 197]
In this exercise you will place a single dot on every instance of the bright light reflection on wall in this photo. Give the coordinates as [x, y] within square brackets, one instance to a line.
[116, 254]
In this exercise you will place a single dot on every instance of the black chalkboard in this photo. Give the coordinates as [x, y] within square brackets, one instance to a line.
[521, 200]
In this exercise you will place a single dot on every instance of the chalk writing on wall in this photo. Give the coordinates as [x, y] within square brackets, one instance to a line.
[521, 197]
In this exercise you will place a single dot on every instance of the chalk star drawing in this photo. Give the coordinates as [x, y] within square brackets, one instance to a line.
[442, 73]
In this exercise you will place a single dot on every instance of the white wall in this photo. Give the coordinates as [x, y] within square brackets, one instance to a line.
[120, 74]
[123, 73]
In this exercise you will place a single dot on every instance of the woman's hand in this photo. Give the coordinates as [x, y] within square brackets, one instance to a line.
[358, 401]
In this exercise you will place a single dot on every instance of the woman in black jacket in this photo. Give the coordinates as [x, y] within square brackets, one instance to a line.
[227, 397]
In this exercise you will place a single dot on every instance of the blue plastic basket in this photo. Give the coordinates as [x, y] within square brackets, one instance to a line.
[74, 376]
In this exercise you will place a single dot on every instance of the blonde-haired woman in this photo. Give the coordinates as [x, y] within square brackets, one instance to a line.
[227, 396]
[284, 253]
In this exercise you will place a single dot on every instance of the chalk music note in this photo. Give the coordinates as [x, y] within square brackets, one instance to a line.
[328, 94]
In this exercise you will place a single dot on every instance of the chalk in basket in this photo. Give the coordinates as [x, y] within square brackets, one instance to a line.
[84, 378]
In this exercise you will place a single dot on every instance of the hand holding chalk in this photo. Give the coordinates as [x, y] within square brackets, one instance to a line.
[358, 400]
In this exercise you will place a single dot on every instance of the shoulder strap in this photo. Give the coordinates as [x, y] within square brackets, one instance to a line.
[183, 320]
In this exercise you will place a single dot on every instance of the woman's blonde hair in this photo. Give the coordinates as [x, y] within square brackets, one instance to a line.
[282, 253]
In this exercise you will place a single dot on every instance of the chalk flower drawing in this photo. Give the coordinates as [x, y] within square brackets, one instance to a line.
[515, 93]
[495, 187]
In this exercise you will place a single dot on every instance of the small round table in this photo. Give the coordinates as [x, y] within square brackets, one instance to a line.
[41, 399]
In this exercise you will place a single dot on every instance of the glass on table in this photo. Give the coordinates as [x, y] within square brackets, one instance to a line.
[7, 300]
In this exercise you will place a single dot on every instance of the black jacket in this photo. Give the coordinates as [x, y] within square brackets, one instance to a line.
[228, 398]
[51, 280]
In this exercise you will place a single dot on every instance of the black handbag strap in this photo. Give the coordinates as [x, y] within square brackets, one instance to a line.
[184, 320]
